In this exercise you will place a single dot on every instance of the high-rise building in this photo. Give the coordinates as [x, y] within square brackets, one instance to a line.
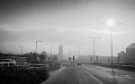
[60, 52]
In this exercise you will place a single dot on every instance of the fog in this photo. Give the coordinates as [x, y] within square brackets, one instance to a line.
[71, 23]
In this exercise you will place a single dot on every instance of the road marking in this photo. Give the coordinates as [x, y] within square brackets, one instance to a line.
[97, 80]
[126, 76]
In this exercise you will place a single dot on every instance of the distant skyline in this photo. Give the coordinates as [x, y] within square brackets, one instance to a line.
[67, 22]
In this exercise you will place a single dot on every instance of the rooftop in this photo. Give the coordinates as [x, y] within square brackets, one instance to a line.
[131, 45]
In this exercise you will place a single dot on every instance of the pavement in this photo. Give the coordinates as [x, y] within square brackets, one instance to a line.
[90, 74]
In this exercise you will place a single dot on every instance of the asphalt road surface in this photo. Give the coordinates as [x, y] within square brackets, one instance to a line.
[90, 74]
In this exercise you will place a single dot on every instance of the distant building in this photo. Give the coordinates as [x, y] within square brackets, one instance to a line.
[101, 59]
[7, 62]
[60, 52]
[83, 59]
[43, 57]
[20, 60]
[122, 57]
[53, 58]
[130, 52]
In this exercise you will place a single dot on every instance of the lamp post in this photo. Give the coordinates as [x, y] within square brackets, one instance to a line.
[110, 23]
[111, 50]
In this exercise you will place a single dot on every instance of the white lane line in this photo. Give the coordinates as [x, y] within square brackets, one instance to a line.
[125, 76]
[95, 78]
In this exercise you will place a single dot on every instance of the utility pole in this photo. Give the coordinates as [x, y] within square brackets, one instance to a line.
[94, 40]
[93, 49]
[111, 52]
[36, 45]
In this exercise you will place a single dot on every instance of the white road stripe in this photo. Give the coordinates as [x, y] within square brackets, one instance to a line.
[97, 80]
[126, 76]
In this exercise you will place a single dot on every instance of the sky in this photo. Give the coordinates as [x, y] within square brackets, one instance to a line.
[71, 23]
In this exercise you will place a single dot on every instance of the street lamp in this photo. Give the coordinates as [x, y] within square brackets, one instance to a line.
[110, 23]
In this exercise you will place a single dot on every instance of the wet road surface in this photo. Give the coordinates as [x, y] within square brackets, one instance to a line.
[90, 74]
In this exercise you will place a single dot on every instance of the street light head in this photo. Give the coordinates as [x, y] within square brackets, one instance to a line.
[110, 22]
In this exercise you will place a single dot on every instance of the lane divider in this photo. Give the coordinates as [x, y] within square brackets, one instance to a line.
[95, 78]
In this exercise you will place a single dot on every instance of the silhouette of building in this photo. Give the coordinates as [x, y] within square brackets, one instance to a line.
[60, 52]
[122, 57]
[20, 60]
[92, 59]
[130, 52]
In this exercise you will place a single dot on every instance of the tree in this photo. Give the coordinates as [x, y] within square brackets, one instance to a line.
[43, 56]
[32, 57]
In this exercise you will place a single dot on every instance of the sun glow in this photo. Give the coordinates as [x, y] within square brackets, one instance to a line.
[110, 22]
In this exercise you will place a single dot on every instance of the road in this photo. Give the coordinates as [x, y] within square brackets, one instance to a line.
[90, 74]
